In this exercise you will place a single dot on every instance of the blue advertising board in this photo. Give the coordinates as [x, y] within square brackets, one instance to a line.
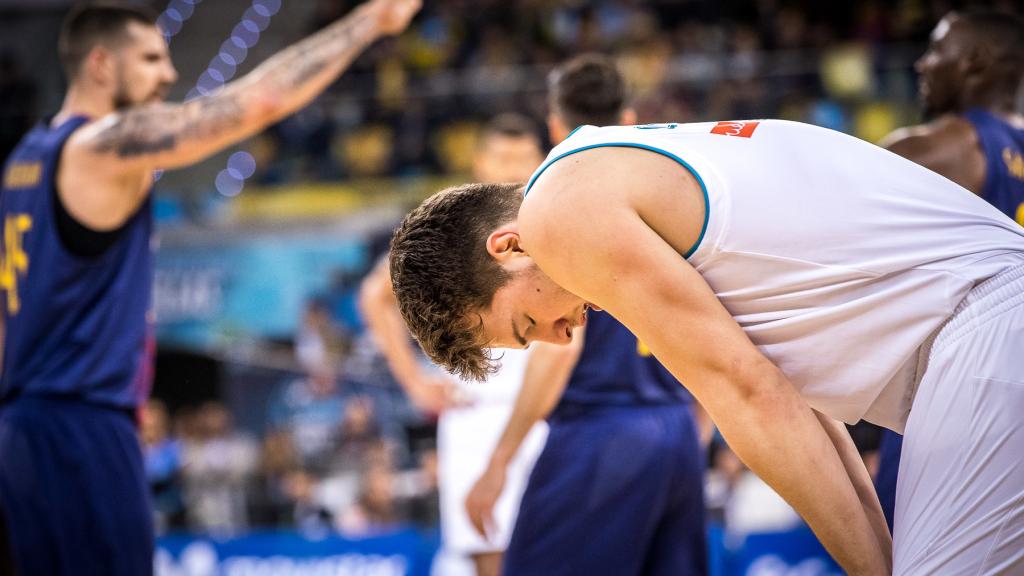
[407, 552]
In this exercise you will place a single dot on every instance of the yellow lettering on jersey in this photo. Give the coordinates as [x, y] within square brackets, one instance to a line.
[1020, 214]
[1014, 164]
[642, 348]
[15, 260]
[23, 174]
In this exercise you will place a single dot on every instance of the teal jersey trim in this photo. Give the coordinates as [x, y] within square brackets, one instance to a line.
[703, 187]
[574, 130]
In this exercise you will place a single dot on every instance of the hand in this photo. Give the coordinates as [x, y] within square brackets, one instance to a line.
[481, 499]
[436, 394]
[393, 16]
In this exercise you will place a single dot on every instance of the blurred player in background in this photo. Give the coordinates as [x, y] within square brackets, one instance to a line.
[623, 456]
[970, 81]
[471, 414]
[77, 272]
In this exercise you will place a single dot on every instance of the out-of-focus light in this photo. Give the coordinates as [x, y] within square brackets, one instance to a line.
[271, 6]
[253, 15]
[248, 36]
[227, 184]
[224, 66]
[176, 13]
[242, 165]
[251, 26]
[169, 26]
[237, 52]
[217, 76]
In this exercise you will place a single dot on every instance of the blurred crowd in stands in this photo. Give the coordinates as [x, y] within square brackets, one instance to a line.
[410, 106]
[324, 462]
[339, 453]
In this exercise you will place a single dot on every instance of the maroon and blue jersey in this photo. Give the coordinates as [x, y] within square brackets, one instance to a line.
[75, 327]
[616, 369]
[1003, 146]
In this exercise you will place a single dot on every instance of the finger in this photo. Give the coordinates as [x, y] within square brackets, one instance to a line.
[491, 528]
[476, 520]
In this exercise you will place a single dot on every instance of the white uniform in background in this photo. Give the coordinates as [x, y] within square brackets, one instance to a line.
[884, 292]
[465, 439]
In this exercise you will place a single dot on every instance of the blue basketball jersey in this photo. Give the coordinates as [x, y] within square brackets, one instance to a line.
[1003, 146]
[75, 327]
[617, 369]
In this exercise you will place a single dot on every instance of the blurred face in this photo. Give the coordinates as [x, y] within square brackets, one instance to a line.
[153, 423]
[530, 308]
[504, 158]
[939, 70]
[143, 69]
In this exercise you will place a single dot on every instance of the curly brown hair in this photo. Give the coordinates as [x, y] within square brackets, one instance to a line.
[443, 275]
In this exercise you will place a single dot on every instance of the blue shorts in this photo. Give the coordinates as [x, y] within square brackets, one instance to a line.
[615, 491]
[888, 468]
[73, 492]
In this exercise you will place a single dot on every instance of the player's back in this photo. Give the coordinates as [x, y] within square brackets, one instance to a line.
[75, 326]
[837, 258]
[1003, 147]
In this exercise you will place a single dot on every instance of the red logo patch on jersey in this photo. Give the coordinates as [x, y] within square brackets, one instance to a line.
[735, 128]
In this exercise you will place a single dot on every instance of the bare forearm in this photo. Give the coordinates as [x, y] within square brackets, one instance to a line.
[778, 437]
[860, 479]
[293, 77]
[384, 321]
[175, 135]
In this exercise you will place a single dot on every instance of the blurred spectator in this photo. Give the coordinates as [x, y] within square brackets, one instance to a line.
[162, 458]
[219, 465]
[690, 60]
[309, 516]
[310, 411]
[319, 341]
[723, 474]
[376, 510]
[272, 502]
[360, 435]
[419, 487]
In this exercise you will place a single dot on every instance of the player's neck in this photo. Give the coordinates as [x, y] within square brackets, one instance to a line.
[82, 102]
[999, 104]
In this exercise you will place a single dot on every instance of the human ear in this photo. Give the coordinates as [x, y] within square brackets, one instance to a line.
[503, 243]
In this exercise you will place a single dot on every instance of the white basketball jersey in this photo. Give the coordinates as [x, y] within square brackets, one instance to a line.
[837, 257]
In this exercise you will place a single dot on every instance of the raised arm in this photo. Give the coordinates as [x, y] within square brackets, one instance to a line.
[174, 135]
[547, 374]
[591, 231]
[429, 392]
[118, 151]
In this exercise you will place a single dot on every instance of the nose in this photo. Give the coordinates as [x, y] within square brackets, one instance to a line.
[170, 74]
[561, 332]
[921, 64]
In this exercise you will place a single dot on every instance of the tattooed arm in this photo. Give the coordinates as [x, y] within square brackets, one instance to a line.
[119, 151]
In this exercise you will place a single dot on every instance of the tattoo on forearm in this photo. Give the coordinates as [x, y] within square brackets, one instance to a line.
[159, 128]
[151, 130]
[329, 47]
